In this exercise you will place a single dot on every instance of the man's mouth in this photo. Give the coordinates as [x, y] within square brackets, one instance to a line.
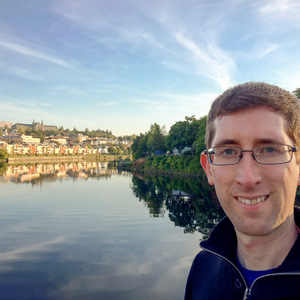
[252, 201]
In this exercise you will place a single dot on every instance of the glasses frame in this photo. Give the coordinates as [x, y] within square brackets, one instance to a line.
[207, 153]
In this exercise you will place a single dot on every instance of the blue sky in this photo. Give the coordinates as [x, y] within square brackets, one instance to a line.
[123, 65]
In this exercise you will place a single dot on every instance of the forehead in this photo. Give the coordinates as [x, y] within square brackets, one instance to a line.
[250, 126]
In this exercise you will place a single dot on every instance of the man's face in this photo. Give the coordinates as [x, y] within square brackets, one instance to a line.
[274, 184]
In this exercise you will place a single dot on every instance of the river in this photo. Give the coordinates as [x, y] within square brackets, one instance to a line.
[85, 231]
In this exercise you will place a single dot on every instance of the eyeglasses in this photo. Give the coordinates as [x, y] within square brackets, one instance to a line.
[270, 154]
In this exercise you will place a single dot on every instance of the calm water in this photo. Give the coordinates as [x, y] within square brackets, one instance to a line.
[83, 231]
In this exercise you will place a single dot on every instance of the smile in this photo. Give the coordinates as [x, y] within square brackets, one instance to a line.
[252, 201]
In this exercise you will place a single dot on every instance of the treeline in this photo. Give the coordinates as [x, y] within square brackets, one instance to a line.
[72, 133]
[176, 151]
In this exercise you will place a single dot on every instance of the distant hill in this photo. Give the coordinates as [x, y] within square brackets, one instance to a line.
[3, 123]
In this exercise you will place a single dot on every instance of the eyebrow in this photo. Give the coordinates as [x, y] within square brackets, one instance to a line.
[226, 142]
[256, 141]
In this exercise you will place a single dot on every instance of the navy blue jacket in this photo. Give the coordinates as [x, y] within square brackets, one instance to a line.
[214, 274]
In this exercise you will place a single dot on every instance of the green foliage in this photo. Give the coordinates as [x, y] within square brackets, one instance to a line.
[199, 211]
[34, 133]
[173, 164]
[112, 150]
[38, 134]
[176, 136]
[200, 139]
[184, 134]
[147, 144]
[156, 138]
[3, 167]
[90, 133]
[189, 133]
[296, 92]
[139, 147]
[3, 153]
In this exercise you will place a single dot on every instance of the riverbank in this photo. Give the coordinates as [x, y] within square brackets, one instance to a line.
[175, 166]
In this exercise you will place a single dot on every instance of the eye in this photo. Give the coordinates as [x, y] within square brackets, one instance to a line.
[227, 151]
[270, 150]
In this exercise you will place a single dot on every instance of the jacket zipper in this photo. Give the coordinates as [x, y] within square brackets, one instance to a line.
[248, 290]
[247, 293]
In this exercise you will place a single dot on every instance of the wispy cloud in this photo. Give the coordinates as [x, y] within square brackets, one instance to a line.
[268, 49]
[279, 16]
[32, 249]
[33, 53]
[210, 60]
[175, 105]
[152, 31]
[20, 111]
[279, 8]
[22, 72]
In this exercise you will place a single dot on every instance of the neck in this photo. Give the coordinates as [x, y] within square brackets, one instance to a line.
[267, 252]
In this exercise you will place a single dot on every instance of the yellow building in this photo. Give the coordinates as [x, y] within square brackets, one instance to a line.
[23, 139]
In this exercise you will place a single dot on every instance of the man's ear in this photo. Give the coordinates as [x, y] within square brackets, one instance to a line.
[206, 166]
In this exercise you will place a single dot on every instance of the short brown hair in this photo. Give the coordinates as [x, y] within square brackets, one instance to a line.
[254, 94]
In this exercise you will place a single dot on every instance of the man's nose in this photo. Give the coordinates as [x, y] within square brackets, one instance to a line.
[248, 172]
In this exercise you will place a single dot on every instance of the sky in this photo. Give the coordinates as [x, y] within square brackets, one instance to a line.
[122, 65]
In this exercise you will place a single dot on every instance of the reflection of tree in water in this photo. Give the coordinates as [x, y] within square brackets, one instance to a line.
[190, 202]
[3, 167]
[148, 192]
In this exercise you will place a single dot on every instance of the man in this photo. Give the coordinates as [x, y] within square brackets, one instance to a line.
[253, 142]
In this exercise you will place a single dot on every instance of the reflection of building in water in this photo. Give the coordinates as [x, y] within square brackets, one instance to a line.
[177, 195]
[25, 173]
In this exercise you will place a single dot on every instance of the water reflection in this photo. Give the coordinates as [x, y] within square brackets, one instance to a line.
[88, 235]
[87, 239]
[189, 202]
[46, 172]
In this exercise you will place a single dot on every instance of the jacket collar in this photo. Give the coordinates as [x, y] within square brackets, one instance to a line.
[223, 241]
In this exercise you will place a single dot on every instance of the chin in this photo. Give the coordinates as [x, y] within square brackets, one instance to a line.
[255, 229]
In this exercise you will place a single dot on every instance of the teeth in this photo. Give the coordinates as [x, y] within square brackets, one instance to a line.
[253, 201]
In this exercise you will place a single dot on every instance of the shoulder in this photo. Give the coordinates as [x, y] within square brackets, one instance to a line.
[206, 262]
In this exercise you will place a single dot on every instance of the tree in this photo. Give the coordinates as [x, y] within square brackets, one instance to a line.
[200, 140]
[157, 138]
[184, 134]
[191, 132]
[28, 131]
[7, 129]
[112, 150]
[3, 153]
[296, 92]
[75, 130]
[38, 134]
[176, 137]
[20, 131]
[139, 147]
